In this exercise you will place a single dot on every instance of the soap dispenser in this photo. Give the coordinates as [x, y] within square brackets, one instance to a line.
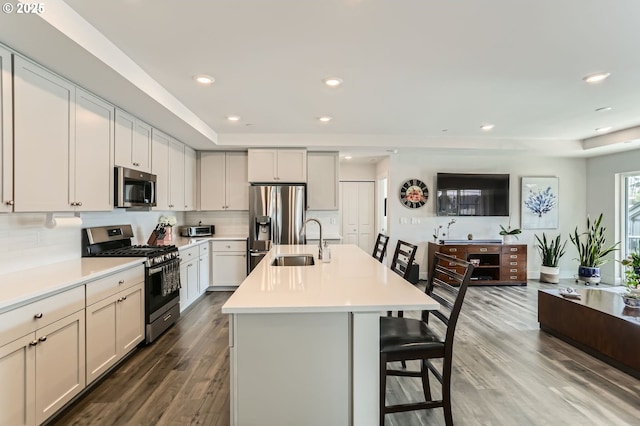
[326, 253]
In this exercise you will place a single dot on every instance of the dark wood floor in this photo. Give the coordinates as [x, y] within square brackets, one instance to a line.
[506, 372]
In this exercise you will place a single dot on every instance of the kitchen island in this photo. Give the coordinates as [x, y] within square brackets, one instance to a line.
[304, 340]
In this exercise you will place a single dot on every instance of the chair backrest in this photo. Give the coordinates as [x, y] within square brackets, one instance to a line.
[403, 258]
[447, 284]
[380, 249]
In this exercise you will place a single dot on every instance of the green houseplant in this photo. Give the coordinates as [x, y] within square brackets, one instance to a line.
[592, 250]
[550, 252]
[508, 234]
[632, 280]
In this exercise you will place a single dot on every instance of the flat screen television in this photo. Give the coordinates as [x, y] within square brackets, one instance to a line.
[467, 194]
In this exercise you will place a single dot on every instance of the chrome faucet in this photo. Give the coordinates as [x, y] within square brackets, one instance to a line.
[320, 226]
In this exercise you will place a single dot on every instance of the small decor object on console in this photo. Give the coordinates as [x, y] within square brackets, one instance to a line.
[508, 234]
[413, 193]
[632, 280]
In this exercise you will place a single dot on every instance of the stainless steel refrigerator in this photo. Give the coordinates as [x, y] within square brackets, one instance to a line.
[276, 214]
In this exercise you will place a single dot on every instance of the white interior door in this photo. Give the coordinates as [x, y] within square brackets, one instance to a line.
[358, 218]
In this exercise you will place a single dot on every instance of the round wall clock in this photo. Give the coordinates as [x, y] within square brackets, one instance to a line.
[413, 193]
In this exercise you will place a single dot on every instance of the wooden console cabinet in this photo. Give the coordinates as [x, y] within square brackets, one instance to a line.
[499, 264]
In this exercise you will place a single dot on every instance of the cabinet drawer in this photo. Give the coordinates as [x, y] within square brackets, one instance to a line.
[513, 257]
[27, 319]
[190, 253]
[514, 248]
[229, 245]
[508, 274]
[483, 249]
[204, 249]
[111, 284]
[456, 251]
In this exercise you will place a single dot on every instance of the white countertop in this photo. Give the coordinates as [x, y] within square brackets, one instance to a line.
[352, 282]
[22, 287]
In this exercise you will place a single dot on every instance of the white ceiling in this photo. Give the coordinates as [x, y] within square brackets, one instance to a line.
[417, 73]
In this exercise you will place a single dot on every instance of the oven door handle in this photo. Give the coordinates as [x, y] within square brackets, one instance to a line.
[153, 271]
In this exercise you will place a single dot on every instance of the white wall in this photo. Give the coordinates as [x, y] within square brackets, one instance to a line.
[572, 205]
[603, 196]
[350, 171]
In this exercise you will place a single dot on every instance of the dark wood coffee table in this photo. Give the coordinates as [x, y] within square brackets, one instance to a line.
[599, 323]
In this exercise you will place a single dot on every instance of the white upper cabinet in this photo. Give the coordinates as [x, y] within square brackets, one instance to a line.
[44, 122]
[278, 165]
[63, 144]
[171, 163]
[176, 175]
[322, 180]
[190, 160]
[223, 181]
[133, 142]
[160, 167]
[94, 153]
[6, 133]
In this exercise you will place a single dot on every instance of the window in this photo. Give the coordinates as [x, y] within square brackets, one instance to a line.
[632, 212]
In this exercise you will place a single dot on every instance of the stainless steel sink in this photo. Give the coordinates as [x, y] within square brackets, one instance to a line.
[293, 260]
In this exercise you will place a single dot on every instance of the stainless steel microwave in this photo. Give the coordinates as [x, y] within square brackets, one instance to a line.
[134, 188]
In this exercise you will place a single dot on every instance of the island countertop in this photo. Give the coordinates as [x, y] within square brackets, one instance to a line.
[353, 281]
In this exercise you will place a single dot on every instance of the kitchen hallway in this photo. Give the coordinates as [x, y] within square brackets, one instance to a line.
[506, 372]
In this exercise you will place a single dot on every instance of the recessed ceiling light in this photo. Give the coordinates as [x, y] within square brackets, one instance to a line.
[603, 109]
[332, 81]
[325, 118]
[348, 157]
[487, 127]
[603, 129]
[204, 79]
[233, 118]
[596, 78]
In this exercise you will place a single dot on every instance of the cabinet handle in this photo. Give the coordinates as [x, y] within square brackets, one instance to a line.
[33, 343]
[79, 203]
[124, 298]
[513, 256]
[136, 164]
[120, 282]
[9, 203]
[38, 315]
[43, 339]
[166, 318]
[513, 249]
[513, 277]
[451, 250]
[483, 249]
[513, 263]
[513, 270]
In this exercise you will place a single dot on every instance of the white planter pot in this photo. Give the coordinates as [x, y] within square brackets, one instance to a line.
[508, 239]
[549, 274]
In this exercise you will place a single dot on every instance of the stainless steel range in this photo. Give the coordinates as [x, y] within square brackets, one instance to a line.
[162, 272]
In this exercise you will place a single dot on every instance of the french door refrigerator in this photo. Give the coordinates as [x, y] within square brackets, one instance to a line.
[276, 214]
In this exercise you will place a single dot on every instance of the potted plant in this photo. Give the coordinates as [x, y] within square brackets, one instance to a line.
[591, 250]
[632, 280]
[550, 252]
[508, 234]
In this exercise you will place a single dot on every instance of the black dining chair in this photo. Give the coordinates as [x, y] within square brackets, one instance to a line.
[380, 249]
[406, 339]
[403, 258]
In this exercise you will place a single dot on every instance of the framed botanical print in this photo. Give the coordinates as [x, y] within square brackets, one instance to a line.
[539, 198]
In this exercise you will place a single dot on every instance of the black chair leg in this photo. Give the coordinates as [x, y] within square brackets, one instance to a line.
[426, 387]
[446, 395]
[383, 387]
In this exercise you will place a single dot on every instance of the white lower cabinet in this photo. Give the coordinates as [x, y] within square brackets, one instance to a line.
[203, 275]
[46, 367]
[115, 325]
[60, 364]
[228, 263]
[189, 279]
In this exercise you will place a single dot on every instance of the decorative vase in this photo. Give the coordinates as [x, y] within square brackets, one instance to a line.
[589, 275]
[549, 274]
[508, 239]
[168, 235]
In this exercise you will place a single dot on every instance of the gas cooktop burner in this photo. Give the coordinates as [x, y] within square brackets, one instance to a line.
[138, 251]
